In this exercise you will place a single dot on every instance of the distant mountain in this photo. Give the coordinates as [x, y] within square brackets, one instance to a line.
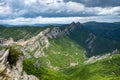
[42, 25]
[31, 25]
[107, 30]
[93, 43]
[95, 38]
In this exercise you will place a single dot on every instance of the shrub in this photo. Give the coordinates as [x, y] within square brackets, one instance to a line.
[14, 54]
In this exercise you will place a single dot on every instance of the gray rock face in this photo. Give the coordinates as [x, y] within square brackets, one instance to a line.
[37, 44]
[2, 40]
[90, 41]
[12, 72]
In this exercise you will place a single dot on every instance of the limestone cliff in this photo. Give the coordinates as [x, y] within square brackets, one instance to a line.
[12, 72]
[38, 43]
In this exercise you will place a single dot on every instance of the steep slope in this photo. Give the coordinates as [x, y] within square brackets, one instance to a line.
[107, 30]
[106, 69]
[50, 46]
[92, 43]
[50, 52]
[63, 52]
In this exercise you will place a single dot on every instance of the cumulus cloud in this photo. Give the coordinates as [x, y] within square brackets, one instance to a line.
[33, 9]
[52, 8]
[41, 7]
[4, 10]
[74, 7]
[110, 11]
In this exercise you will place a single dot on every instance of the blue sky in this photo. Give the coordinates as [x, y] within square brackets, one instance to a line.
[58, 11]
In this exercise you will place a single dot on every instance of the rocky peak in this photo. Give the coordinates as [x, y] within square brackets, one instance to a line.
[79, 24]
[73, 24]
[76, 24]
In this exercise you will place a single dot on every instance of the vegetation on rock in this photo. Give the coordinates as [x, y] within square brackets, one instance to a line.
[14, 54]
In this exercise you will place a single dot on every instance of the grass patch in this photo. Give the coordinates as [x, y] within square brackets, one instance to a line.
[42, 73]
[63, 51]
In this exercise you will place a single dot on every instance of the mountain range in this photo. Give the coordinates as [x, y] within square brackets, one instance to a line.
[72, 51]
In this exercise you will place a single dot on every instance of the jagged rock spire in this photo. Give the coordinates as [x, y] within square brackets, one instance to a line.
[78, 23]
[73, 23]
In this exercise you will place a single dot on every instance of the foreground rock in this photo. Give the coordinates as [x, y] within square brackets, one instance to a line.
[12, 72]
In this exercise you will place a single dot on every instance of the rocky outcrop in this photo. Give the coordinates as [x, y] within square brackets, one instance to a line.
[93, 59]
[37, 44]
[73, 64]
[12, 72]
[90, 42]
[2, 40]
[10, 41]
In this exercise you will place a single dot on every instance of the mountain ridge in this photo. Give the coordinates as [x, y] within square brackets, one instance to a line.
[54, 50]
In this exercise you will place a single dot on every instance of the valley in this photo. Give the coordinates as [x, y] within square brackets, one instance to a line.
[67, 52]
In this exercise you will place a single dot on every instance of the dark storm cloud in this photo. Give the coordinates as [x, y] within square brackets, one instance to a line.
[98, 3]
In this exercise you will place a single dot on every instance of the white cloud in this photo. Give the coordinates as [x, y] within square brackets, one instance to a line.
[41, 6]
[74, 7]
[59, 20]
[30, 2]
[15, 9]
[110, 11]
[4, 9]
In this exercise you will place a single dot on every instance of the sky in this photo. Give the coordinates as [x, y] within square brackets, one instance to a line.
[58, 11]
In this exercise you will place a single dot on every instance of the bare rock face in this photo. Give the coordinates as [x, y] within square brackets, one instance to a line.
[2, 40]
[90, 41]
[12, 72]
[93, 59]
[38, 43]
[10, 41]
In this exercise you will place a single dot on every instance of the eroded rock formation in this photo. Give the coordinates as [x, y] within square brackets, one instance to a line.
[12, 72]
